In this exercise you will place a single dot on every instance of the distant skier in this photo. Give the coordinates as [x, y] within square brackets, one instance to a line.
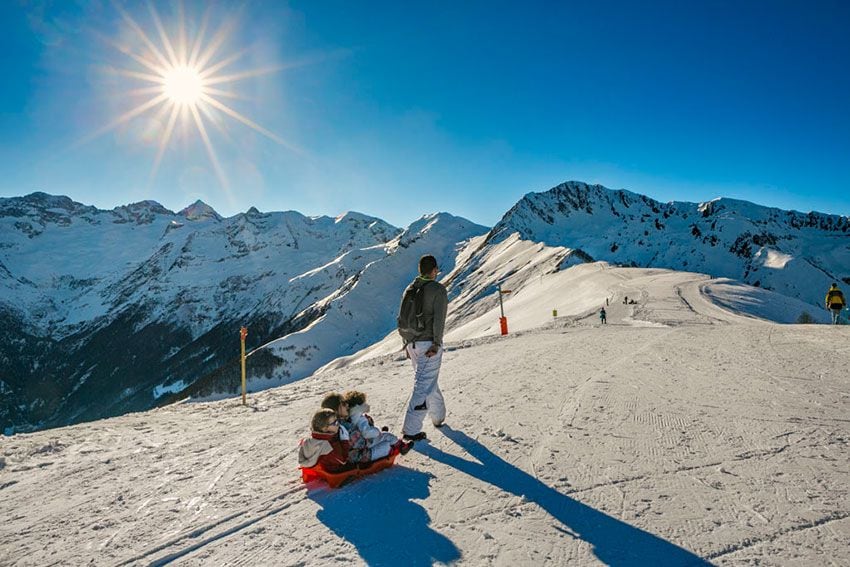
[835, 302]
[603, 317]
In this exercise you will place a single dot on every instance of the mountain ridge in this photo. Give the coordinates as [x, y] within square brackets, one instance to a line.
[179, 285]
[722, 237]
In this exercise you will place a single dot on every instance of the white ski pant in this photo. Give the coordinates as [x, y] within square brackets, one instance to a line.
[382, 445]
[426, 397]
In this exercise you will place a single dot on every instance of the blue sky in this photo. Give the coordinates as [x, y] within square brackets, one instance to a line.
[397, 109]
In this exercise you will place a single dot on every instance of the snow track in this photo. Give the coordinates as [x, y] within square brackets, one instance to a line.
[680, 433]
[197, 537]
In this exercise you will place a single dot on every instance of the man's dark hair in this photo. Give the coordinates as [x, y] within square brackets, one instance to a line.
[426, 264]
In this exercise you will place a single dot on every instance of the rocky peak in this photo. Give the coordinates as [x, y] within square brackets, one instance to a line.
[42, 205]
[381, 230]
[148, 205]
[199, 211]
[435, 223]
[142, 212]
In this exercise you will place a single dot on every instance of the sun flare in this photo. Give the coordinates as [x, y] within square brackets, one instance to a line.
[183, 85]
[183, 80]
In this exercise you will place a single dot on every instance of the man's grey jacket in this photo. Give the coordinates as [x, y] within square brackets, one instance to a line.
[435, 304]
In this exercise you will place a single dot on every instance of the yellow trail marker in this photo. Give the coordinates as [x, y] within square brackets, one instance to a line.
[243, 332]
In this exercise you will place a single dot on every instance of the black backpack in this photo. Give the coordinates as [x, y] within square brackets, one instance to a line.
[410, 320]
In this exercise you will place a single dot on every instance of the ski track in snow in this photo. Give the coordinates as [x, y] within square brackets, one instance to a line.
[680, 433]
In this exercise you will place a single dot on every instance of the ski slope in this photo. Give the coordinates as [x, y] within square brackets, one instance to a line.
[539, 298]
[680, 433]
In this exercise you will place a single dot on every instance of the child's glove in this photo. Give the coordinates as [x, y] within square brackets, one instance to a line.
[343, 433]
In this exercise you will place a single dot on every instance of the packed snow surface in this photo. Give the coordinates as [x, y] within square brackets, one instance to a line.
[538, 296]
[681, 433]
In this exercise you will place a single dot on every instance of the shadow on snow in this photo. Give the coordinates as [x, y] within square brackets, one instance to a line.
[614, 542]
[377, 515]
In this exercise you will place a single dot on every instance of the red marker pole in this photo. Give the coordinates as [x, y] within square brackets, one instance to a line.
[503, 321]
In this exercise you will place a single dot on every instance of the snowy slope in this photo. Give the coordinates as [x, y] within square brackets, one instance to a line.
[764, 304]
[680, 433]
[359, 313]
[109, 311]
[369, 309]
[546, 279]
[768, 263]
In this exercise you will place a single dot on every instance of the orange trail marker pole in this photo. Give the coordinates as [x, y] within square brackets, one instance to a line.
[243, 333]
[503, 321]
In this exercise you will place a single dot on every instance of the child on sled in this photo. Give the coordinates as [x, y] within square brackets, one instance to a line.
[328, 444]
[367, 442]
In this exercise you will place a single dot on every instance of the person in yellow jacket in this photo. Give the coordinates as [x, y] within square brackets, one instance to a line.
[835, 302]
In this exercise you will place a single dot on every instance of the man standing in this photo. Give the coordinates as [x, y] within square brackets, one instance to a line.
[835, 302]
[428, 302]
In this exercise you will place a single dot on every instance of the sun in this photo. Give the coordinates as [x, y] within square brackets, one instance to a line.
[183, 85]
[184, 80]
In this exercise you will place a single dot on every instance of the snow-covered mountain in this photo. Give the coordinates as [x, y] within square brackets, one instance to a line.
[791, 257]
[360, 312]
[792, 253]
[105, 312]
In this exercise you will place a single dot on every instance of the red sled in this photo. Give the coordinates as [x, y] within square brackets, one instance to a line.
[336, 480]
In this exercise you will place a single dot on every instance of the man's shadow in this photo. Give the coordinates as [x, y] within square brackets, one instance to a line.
[614, 542]
[377, 515]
